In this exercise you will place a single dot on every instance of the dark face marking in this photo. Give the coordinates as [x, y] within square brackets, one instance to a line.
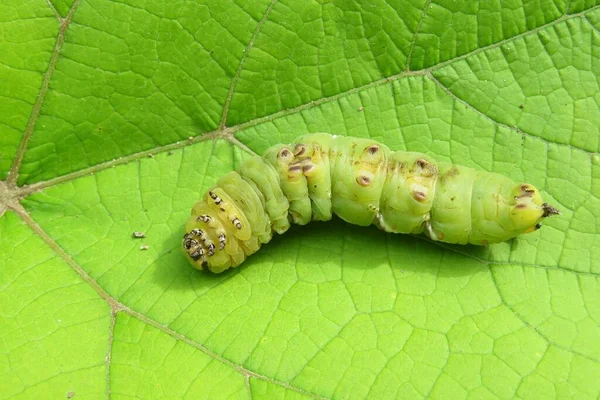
[197, 232]
[197, 254]
[190, 243]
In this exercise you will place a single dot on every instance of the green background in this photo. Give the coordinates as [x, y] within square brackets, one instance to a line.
[116, 116]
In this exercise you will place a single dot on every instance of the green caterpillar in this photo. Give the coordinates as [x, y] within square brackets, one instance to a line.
[363, 182]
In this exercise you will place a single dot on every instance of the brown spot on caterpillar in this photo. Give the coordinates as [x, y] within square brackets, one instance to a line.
[452, 172]
[284, 153]
[295, 168]
[441, 236]
[521, 205]
[421, 163]
[204, 218]
[419, 196]
[307, 168]
[484, 242]
[453, 197]
[373, 149]
[363, 180]
[216, 198]
[299, 150]
[399, 166]
[236, 222]
[204, 265]
[525, 192]
[427, 169]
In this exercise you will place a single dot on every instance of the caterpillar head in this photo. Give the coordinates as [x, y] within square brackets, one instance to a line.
[528, 208]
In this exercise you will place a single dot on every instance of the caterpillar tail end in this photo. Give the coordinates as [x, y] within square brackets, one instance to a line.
[529, 210]
[547, 211]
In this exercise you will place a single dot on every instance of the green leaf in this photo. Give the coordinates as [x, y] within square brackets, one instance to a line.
[116, 116]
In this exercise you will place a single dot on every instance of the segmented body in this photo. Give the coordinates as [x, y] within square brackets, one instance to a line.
[363, 182]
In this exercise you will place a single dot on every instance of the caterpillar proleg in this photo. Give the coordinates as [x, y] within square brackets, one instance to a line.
[362, 182]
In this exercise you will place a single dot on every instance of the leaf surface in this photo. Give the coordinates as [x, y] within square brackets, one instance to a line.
[116, 116]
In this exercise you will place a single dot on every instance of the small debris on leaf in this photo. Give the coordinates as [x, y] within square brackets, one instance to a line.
[360, 108]
[138, 235]
[70, 395]
[144, 247]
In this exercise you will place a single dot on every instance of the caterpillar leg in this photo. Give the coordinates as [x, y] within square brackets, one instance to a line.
[430, 232]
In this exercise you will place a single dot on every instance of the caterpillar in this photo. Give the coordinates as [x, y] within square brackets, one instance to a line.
[363, 182]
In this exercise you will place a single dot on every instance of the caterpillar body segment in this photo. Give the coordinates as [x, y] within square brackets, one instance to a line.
[316, 168]
[266, 181]
[408, 193]
[357, 176]
[363, 182]
[292, 181]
